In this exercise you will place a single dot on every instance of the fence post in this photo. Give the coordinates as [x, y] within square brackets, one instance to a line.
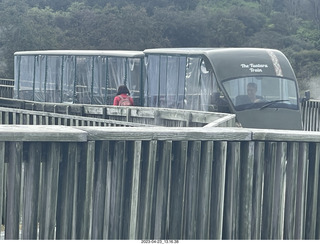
[246, 189]
[49, 191]
[2, 179]
[218, 189]
[31, 192]
[232, 197]
[13, 190]
[135, 191]
[312, 193]
[205, 186]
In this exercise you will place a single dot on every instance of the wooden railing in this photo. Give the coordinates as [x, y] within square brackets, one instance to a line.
[6, 88]
[311, 115]
[13, 116]
[60, 182]
[138, 115]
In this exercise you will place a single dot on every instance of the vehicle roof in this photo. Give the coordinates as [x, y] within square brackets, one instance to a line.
[229, 63]
[180, 51]
[110, 53]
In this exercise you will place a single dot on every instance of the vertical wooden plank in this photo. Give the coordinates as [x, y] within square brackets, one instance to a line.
[246, 187]
[99, 186]
[13, 190]
[303, 166]
[17, 118]
[76, 160]
[14, 118]
[162, 195]
[147, 187]
[177, 189]
[218, 189]
[6, 118]
[115, 190]
[317, 231]
[84, 208]
[109, 230]
[192, 190]
[258, 181]
[271, 148]
[133, 232]
[28, 119]
[291, 186]
[232, 196]
[49, 191]
[205, 180]
[67, 192]
[279, 191]
[31, 192]
[312, 191]
[2, 179]
[34, 119]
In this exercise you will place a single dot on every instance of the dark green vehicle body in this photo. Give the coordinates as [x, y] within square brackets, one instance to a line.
[231, 69]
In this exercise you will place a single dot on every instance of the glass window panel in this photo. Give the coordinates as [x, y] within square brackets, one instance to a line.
[68, 79]
[53, 81]
[40, 77]
[25, 78]
[134, 76]
[83, 79]
[257, 92]
[193, 84]
[152, 80]
[99, 80]
[117, 74]
[207, 86]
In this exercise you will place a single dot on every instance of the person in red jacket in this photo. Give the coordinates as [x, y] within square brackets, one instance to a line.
[123, 97]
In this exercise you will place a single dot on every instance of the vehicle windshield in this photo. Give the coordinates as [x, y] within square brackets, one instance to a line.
[262, 92]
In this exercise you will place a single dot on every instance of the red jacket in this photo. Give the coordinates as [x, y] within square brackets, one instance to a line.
[117, 99]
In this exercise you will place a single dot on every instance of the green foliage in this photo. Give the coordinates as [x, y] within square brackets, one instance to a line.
[291, 26]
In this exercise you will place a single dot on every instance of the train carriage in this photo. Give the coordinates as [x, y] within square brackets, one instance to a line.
[207, 79]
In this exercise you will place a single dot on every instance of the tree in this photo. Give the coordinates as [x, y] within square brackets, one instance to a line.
[315, 10]
[14, 32]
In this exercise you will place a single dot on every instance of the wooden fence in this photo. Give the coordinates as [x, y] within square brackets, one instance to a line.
[13, 116]
[135, 115]
[6, 88]
[60, 182]
[311, 115]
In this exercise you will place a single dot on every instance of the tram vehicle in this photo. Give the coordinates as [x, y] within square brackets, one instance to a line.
[256, 84]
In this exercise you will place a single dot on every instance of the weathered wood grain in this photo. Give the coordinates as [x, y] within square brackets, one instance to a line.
[40, 133]
[232, 196]
[31, 192]
[312, 191]
[164, 133]
[291, 193]
[159, 183]
[192, 190]
[132, 114]
[49, 191]
[258, 183]
[13, 191]
[218, 189]
[2, 179]
[85, 196]
[303, 165]
[177, 189]
[162, 190]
